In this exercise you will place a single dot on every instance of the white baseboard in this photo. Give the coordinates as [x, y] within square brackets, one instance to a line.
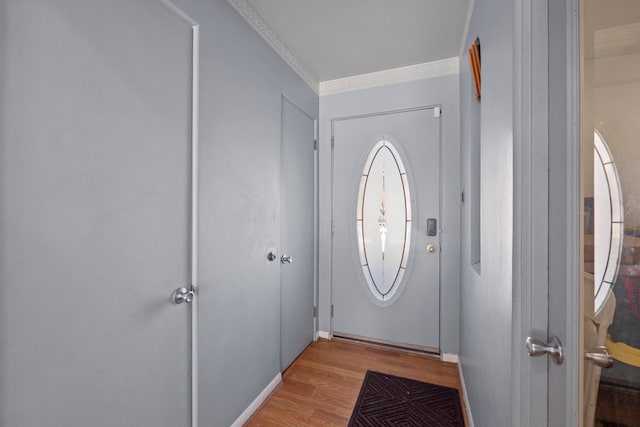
[467, 407]
[324, 334]
[449, 357]
[244, 417]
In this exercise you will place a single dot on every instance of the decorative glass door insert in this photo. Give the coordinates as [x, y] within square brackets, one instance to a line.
[383, 220]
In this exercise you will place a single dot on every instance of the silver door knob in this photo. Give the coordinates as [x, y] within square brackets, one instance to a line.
[181, 295]
[431, 248]
[600, 357]
[554, 349]
[286, 259]
[271, 256]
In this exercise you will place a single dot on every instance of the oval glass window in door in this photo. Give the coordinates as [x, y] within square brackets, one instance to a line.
[608, 211]
[383, 220]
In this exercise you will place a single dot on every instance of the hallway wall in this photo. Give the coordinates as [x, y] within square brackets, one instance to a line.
[242, 80]
[486, 288]
[441, 91]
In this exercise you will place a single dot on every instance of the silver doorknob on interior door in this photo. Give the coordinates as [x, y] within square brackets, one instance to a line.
[286, 259]
[271, 256]
[536, 348]
[599, 356]
[181, 295]
[431, 248]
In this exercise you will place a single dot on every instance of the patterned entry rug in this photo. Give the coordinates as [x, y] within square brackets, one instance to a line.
[387, 400]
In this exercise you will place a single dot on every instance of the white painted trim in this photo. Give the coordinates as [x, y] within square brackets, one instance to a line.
[449, 357]
[256, 21]
[195, 116]
[465, 33]
[324, 334]
[409, 73]
[465, 396]
[574, 275]
[427, 70]
[195, 198]
[244, 417]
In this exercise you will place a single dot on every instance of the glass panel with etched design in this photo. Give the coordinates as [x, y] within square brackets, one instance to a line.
[383, 221]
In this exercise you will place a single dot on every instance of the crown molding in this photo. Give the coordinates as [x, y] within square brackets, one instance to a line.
[254, 19]
[409, 73]
[362, 81]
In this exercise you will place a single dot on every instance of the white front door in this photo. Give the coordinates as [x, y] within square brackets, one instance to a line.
[386, 222]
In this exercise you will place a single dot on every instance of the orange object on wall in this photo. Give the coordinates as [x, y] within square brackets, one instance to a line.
[474, 65]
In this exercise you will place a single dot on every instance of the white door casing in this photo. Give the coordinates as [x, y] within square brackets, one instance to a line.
[411, 316]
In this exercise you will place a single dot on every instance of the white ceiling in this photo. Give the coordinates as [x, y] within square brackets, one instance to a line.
[340, 38]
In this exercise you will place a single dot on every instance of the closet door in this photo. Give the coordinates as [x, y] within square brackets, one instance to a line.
[297, 233]
[95, 143]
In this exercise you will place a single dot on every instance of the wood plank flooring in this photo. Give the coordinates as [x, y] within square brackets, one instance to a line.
[321, 387]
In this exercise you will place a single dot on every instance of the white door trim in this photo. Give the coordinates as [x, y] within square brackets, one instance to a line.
[195, 143]
[566, 207]
[437, 109]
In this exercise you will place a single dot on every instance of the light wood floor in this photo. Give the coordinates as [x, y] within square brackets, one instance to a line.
[322, 385]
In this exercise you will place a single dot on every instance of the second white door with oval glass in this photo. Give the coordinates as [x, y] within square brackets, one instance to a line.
[386, 227]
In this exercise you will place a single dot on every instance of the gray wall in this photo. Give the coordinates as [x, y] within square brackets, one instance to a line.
[486, 298]
[436, 91]
[242, 80]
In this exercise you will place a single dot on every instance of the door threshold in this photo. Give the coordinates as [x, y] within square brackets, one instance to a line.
[372, 342]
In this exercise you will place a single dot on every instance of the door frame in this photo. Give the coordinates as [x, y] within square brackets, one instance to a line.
[316, 230]
[195, 144]
[440, 203]
[565, 279]
[546, 291]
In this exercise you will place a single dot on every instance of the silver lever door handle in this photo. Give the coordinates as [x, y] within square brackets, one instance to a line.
[286, 259]
[600, 357]
[554, 349]
[181, 295]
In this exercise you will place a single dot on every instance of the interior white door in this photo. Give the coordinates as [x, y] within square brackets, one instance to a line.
[95, 213]
[385, 245]
[297, 232]
[547, 204]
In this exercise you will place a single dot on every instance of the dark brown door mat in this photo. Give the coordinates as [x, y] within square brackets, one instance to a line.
[387, 400]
